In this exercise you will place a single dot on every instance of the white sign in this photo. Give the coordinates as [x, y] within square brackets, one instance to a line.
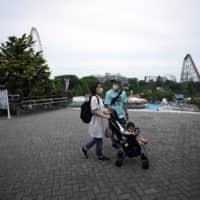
[4, 103]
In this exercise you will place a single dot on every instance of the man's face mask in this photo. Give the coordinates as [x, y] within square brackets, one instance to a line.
[115, 87]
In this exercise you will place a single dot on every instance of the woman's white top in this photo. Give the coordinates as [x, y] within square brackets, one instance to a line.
[96, 126]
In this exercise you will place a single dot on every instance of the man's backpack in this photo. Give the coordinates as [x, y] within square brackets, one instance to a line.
[86, 113]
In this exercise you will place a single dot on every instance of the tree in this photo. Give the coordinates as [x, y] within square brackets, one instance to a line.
[22, 70]
[134, 86]
[86, 83]
[189, 89]
[159, 81]
[107, 85]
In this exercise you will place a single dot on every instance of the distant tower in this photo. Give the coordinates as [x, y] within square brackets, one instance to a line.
[189, 70]
[36, 38]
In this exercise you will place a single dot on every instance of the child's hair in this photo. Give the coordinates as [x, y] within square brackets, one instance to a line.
[130, 125]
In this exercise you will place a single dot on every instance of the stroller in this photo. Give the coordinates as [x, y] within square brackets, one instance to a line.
[129, 146]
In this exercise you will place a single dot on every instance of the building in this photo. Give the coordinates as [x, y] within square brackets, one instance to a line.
[167, 77]
[109, 76]
[131, 80]
[123, 79]
[150, 78]
[100, 78]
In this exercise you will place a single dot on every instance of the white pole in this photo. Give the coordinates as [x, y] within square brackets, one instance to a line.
[8, 106]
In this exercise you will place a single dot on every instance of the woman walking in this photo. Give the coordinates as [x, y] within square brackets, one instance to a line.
[96, 127]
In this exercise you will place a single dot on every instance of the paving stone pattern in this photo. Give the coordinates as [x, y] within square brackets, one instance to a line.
[40, 159]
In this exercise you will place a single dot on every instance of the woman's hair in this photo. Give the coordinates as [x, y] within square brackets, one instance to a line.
[130, 125]
[94, 87]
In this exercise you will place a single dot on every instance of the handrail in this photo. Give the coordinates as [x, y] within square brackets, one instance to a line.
[19, 105]
[46, 99]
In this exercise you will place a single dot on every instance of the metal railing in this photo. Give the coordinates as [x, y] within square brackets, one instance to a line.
[20, 105]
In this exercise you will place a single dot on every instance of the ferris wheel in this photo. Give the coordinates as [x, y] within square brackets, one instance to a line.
[36, 37]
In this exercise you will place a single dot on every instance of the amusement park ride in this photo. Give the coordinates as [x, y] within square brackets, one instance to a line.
[36, 37]
[189, 70]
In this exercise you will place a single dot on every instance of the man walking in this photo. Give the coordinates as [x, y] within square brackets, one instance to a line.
[116, 99]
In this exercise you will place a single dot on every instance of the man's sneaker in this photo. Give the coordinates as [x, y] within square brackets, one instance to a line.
[103, 158]
[84, 152]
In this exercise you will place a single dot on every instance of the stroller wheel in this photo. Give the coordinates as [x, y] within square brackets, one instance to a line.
[120, 154]
[119, 162]
[145, 164]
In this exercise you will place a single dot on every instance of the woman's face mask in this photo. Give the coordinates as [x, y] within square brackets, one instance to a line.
[99, 90]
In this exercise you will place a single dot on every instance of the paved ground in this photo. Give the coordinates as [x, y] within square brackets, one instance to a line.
[40, 159]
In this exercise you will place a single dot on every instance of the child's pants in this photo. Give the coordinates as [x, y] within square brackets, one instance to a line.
[142, 147]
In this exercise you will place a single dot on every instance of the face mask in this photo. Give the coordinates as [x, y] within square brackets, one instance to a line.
[100, 90]
[115, 87]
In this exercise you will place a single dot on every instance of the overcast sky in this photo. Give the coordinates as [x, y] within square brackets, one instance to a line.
[83, 37]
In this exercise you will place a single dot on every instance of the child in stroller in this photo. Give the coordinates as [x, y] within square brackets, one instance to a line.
[131, 142]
